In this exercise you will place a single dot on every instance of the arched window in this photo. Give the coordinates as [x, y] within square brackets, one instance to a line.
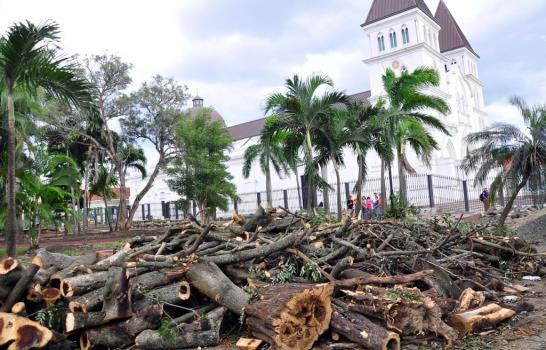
[405, 35]
[381, 42]
[392, 36]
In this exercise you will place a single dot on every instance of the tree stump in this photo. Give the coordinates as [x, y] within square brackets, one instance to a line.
[291, 316]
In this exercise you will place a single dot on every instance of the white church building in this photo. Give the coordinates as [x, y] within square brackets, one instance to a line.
[403, 34]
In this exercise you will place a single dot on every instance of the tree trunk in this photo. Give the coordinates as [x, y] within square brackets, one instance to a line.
[121, 219]
[22, 332]
[403, 187]
[359, 329]
[290, 316]
[338, 193]
[143, 192]
[85, 197]
[309, 159]
[118, 335]
[326, 191]
[296, 173]
[359, 181]
[268, 195]
[383, 185]
[211, 281]
[199, 334]
[11, 220]
[510, 203]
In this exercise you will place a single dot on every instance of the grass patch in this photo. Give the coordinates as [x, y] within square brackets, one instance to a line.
[68, 251]
[20, 251]
[106, 245]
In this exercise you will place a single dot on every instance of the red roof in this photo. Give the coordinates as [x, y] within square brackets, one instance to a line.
[116, 191]
[451, 35]
[382, 9]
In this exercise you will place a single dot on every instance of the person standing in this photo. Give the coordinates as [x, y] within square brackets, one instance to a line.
[377, 203]
[368, 204]
[484, 198]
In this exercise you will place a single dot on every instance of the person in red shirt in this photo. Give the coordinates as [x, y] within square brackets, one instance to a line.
[377, 205]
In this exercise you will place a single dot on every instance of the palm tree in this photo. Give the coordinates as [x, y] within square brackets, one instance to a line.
[302, 110]
[366, 121]
[406, 119]
[291, 155]
[517, 157]
[269, 152]
[29, 61]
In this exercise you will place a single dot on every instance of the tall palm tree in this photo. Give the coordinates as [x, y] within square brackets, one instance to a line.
[29, 61]
[518, 157]
[302, 110]
[291, 155]
[366, 121]
[407, 119]
[269, 152]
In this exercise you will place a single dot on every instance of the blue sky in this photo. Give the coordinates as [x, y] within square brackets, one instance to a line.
[236, 52]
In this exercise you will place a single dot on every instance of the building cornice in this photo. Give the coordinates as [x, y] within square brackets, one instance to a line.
[405, 50]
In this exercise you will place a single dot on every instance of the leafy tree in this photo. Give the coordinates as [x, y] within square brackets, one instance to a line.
[302, 111]
[198, 172]
[156, 107]
[29, 61]
[269, 153]
[406, 122]
[517, 157]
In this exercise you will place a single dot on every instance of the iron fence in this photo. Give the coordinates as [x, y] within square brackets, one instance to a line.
[442, 193]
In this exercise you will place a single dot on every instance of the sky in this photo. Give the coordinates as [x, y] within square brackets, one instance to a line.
[236, 52]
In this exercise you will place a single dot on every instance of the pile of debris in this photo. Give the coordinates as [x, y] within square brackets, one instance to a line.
[276, 278]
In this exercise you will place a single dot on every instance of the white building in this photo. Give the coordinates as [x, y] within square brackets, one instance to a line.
[403, 34]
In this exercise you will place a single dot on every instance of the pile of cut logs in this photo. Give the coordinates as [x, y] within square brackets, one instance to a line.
[276, 280]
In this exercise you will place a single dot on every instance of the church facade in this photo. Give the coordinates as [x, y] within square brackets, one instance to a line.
[403, 35]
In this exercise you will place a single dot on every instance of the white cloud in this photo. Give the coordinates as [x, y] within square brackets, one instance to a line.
[503, 112]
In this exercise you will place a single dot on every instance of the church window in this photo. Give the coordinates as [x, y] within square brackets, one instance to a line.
[381, 42]
[405, 35]
[392, 37]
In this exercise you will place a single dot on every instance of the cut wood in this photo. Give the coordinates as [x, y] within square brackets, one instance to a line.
[201, 333]
[482, 318]
[19, 309]
[50, 295]
[172, 294]
[8, 264]
[248, 344]
[81, 284]
[207, 278]
[22, 284]
[469, 299]
[261, 218]
[22, 332]
[117, 295]
[361, 330]
[118, 335]
[290, 316]
[400, 279]
[103, 254]
[114, 260]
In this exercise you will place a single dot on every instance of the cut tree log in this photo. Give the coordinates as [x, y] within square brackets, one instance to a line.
[482, 318]
[361, 330]
[81, 284]
[117, 295]
[50, 296]
[248, 344]
[207, 278]
[371, 279]
[103, 254]
[19, 309]
[201, 333]
[290, 316]
[405, 310]
[24, 333]
[172, 294]
[118, 335]
[7, 265]
[22, 284]
[114, 260]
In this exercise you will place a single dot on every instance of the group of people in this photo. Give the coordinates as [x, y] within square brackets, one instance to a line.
[371, 207]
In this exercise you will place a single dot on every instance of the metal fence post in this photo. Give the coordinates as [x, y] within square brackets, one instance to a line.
[347, 192]
[430, 191]
[143, 212]
[259, 198]
[149, 211]
[176, 211]
[194, 208]
[465, 194]
[285, 198]
[163, 209]
[236, 205]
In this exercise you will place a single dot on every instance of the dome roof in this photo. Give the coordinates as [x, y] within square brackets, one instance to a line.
[198, 107]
